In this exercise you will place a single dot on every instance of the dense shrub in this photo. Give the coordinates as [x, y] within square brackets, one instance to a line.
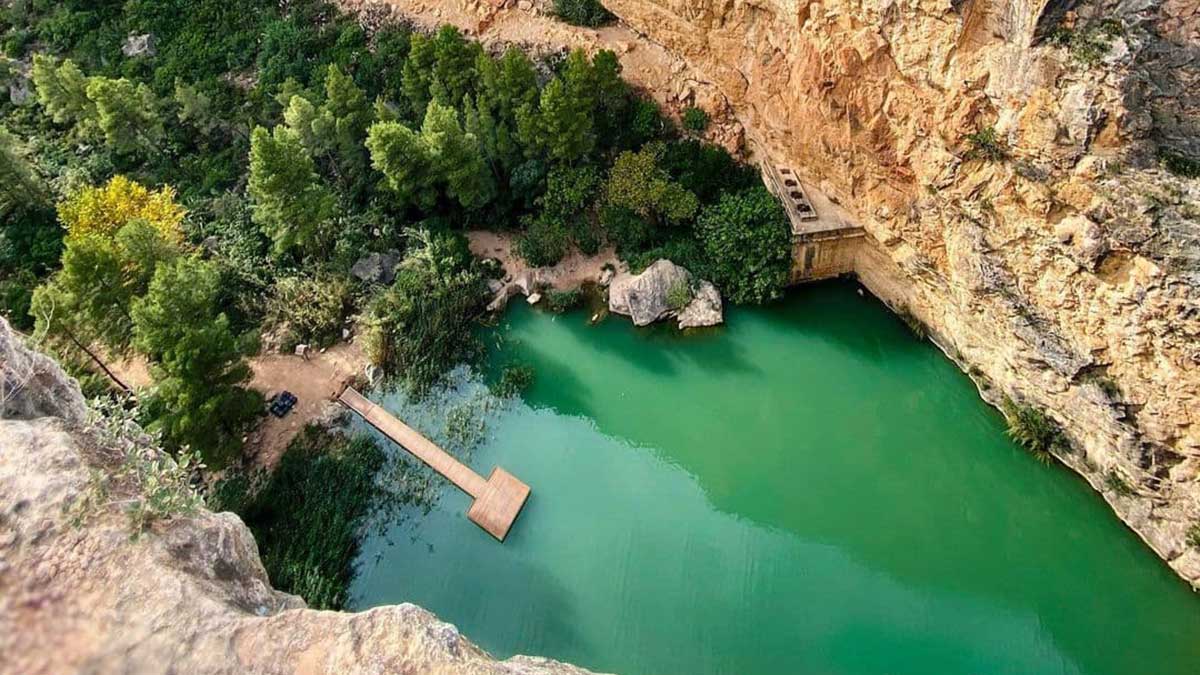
[638, 182]
[626, 230]
[695, 120]
[16, 292]
[1179, 164]
[583, 12]
[987, 145]
[546, 240]
[424, 323]
[1035, 430]
[747, 241]
[707, 170]
[311, 307]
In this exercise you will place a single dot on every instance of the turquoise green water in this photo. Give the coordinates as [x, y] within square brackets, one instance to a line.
[807, 490]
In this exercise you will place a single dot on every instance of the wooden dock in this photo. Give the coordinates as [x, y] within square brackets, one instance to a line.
[498, 500]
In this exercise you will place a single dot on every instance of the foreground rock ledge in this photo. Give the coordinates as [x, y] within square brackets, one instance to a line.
[190, 596]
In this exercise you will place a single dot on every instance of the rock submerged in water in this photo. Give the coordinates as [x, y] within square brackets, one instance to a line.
[646, 297]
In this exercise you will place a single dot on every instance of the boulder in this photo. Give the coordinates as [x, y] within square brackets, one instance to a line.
[644, 297]
[373, 373]
[529, 281]
[32, 385]
[606, 276]
[139, 45]
[1084, 240]
[704, 309]
[20, 90]
[376, 268]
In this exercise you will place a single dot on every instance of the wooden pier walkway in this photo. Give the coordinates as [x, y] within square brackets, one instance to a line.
[498, 500]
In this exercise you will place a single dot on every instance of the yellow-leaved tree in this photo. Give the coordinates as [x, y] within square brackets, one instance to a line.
[105, 209]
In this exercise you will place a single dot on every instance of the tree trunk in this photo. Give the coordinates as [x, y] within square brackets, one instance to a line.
[98, 362]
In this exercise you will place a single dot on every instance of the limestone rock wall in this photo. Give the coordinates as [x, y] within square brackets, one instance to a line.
[189, 596]
[1065, 276]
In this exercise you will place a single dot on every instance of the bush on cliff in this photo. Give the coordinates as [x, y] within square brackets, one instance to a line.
[748, 244]
[583, 12]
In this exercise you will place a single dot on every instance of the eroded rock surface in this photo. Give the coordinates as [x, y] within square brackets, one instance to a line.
[704, 309]
[645, 297]
[189, 596]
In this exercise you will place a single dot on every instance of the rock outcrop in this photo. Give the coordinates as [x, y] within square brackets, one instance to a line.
[645, 297]
[376, 268]
[662, 290]
[704, 309]
[32, 385]
[188, 596]
[1050, 253]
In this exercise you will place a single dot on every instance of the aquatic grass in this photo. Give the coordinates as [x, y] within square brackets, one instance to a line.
[514, 380]
[561, 302]
[308, 515]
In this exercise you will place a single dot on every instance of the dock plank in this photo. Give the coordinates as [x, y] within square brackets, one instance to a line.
[497, 500]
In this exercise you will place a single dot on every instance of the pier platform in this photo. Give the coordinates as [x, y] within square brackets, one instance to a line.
[498, 499]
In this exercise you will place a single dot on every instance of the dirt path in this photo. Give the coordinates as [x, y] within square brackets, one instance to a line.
[314, 382]
[570, 272]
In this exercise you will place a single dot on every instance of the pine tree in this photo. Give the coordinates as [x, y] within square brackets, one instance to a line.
[341, 123]
[62, 91]
[195, 108]
[299, 115]
[197, 362]
[127, 114]
[403, 157]
[21, 187]
[454, 63]
[418, 73]
[102, 274]
[290, 200]
[457, 157]
[518, 84]
[565, 123]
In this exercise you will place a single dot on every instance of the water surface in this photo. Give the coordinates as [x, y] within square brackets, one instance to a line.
[807, 490]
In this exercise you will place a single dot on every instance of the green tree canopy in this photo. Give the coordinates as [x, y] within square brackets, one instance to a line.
[441, 157]
[747, 239]
[62, 90]
[197, 362]
[126, 114]
[290, 201]
[638, 183]
[402, 156]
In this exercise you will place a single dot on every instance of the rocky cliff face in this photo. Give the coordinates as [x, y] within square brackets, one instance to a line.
[1064, 274]
[189, 596]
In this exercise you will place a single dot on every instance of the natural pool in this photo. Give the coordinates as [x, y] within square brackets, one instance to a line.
[807, 490]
